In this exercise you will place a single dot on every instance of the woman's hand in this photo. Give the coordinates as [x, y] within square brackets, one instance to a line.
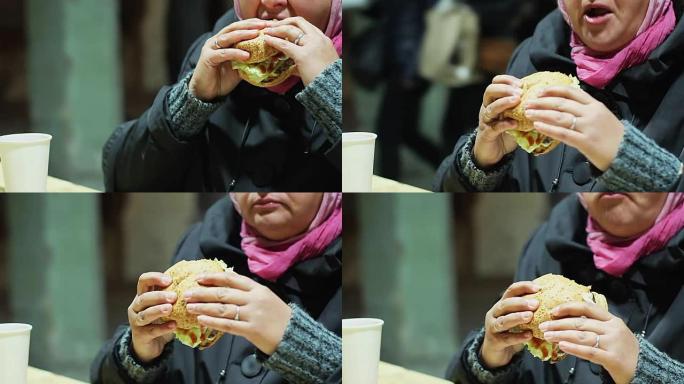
[590, 332]
[500, 345]
[573, 117]
[240, 306]
[148, 306]
[491, 142]
[214, 75]
[304, 43]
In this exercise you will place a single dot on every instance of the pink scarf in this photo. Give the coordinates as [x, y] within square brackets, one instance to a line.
[615, 255]
[598, 69]
[333, 31]
[271, 259]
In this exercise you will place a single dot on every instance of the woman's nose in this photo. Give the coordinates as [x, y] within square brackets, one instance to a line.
[274, 6]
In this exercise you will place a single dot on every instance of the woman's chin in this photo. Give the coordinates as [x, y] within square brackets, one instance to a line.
[605, 41]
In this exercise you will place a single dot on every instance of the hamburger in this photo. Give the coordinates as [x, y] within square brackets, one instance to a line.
[184, 275]
[526, 136]
[555, 290]
[266, 67]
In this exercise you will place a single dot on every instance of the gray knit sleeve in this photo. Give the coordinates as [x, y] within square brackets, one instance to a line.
[483, 374]
[654, 366]
[188, 114]
[480, 179]
[136, 370]
[308, 353]
[323, 99]
[641, 165]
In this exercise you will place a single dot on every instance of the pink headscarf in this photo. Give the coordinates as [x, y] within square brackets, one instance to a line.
[598, 69]
[333, 31]
[615, 255]
[271, 259]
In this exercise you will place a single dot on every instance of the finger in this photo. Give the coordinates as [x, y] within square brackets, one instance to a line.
[153, 331]
[151, 314]
[589, 310]
[514, 304]
[216, 295]
[595, 355]
[256, 24]
[574, 324]
[520, 288]
[497, 91]
[225, 311]
[300, 23]
[239, 328]
[507, 79]
[219, 56]
[227, 40]
[499, 106]
[564, 135]
[150, 299]
[502, 126]
[575, 337]
[148, 281]
[284, 46]
[285, 32]
[558, 119]
[227, 279]
[508, 339]
[557, 104]
[567, 92]
[510, 321]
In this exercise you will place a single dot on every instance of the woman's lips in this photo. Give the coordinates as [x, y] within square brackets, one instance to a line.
[613, 196]
[597, 20]
[266, 205]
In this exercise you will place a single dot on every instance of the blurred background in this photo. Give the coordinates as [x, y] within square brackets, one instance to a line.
[431, 266]
[416, 71]
[77, 68]
[69, 265]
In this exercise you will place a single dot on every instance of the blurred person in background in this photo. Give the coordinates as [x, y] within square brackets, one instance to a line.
[620, 132]
[286, 253]
[628, 247]
[212, 132]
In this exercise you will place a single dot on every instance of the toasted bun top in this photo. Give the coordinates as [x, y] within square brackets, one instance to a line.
[184, 274]
[258, 49]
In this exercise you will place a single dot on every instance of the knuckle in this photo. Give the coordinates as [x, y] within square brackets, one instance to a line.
[223, 295]
[224, 311]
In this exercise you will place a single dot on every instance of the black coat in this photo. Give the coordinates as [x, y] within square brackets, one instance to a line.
[654, 284]
[315, 285]
[285, 151]
[649, 95]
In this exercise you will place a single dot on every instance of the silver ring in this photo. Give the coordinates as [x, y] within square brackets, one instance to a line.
[598, 340]
[574, 123]
[237, 313]
[217, 45]
[298, 39]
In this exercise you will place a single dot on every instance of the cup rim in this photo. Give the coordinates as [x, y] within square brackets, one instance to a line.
[358, 137]
[361, 323]
[14, 329]
[26, 138]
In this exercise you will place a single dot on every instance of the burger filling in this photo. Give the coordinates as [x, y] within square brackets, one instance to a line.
[544, 350]
[197, 337]
[266, 71]
[531, 141]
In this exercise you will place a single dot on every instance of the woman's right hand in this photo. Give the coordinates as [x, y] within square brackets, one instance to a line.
[148, 306]
[214, 75]
[491, 142]
[500, 344]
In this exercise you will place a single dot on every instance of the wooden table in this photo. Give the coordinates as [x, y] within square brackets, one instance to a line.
[391, 374]
[56, 185]
[382, 185]
[38, 376]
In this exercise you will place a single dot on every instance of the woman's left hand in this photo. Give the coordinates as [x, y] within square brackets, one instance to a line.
[304, 43]
[573, 117]
[589, 332]
[235, 304]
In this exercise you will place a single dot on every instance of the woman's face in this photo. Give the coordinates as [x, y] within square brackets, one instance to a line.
[606, 25]
[317, 12]
[279, 216]
[625, 214]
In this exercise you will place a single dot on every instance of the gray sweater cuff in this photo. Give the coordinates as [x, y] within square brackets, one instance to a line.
[323, 99]
[654, 366]
[641, 165]
[483, 374]
[308, 353]
[188, 114]
[136, 370]
[480, 179]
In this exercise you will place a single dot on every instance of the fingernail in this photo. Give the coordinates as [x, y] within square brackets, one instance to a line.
[201, 277]
[191, 307]
[187, 295]
[167, 280]
[171, 296]
[549, 336]
[544, 327]
[529, 113]
[527, 316]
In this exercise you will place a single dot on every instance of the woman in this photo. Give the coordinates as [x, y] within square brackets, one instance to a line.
[286, 251]
[213, 132]
[628, 247]
[622, 132]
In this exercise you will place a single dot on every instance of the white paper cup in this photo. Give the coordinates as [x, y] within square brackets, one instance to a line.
[361, 339]
[358, 153]
[14, 352]
[25, 159]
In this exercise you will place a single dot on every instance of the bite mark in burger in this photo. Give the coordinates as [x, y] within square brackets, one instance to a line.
[266, 67]
[188, 329]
